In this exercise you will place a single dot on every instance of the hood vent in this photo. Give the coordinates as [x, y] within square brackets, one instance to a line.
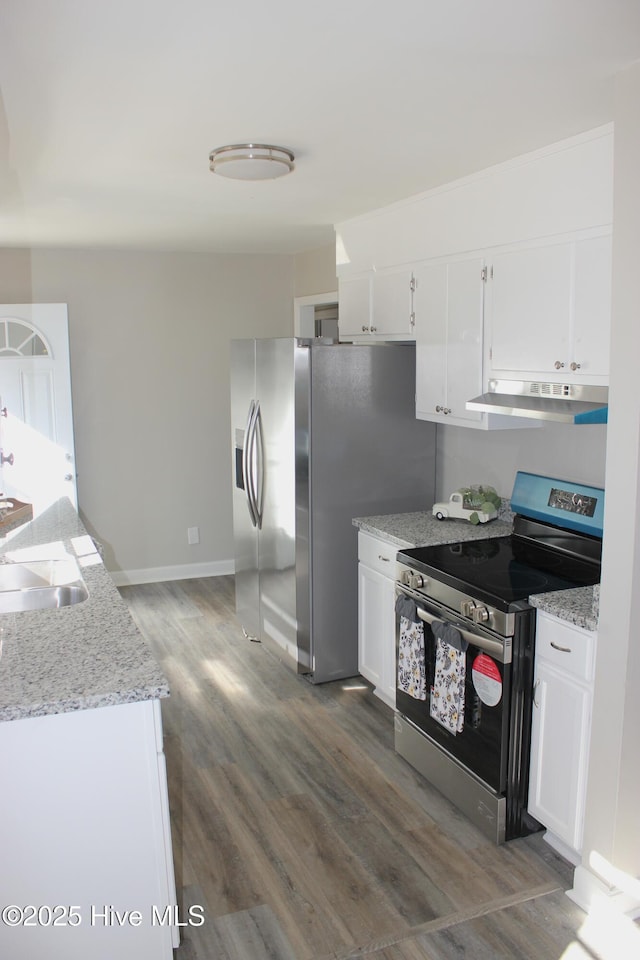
[562, 402]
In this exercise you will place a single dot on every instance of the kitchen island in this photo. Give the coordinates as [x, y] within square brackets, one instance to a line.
[85, 841]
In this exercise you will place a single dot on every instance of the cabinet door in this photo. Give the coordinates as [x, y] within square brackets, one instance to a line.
[354, 306]
[464, 337]
[592, 308]
[559, 753]
[84, 821]
[448, 303]
[430, 303]
[531, 309]
[392, 303]
[387, 689]
[376, 631]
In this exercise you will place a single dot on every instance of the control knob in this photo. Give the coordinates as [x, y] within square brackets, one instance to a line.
[480, 614]
[474, 611]
[467, 607]
[413, 580]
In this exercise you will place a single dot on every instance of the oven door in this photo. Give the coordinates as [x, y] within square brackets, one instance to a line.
[478, 739]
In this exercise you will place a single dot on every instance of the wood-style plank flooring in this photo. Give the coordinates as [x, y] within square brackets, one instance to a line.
[301, 832]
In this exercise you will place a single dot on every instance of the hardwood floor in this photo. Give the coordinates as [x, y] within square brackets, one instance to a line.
[301, 832]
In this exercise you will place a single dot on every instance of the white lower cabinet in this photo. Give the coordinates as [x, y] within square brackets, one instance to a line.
[376, 614]
[85, 836]
[560, 734]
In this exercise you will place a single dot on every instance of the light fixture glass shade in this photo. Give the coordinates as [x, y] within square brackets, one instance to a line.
[251, 161]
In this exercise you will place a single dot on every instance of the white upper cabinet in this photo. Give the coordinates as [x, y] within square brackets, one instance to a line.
[354, 306]
[377, 304]
[448, 304]
[392, 307]
[592, 307]
[542, 221]
[549, 309]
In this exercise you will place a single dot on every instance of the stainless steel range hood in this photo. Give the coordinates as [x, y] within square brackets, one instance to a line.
[562, 402]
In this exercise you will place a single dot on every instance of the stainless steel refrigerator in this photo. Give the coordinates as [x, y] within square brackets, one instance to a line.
[322, 433]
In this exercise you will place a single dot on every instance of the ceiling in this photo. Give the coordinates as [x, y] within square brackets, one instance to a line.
[109, 110]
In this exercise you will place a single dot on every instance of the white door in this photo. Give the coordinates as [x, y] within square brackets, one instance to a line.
[36, 433]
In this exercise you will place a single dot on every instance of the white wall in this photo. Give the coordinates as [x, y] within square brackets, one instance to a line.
[612, 822]
[149, 337]
[315, 271]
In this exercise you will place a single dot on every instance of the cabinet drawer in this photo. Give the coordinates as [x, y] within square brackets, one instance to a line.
[378, 554]
[570, 648]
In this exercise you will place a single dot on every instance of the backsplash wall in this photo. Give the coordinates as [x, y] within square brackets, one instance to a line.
[566, 451]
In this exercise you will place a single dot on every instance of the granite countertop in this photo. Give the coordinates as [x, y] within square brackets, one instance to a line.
[79, 657]
[419, 529]
[579, 606]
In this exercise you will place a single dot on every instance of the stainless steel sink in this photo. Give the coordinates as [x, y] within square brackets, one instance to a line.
[40, 585]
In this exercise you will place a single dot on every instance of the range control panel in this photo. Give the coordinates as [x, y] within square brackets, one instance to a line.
[575, 506]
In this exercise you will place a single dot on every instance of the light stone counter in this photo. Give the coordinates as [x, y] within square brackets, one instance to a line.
[579, 606]
[77, 657]
[421, 529]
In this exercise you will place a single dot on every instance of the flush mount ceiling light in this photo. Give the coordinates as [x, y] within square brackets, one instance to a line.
[251, 161]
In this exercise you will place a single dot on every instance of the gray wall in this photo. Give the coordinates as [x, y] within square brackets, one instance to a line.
[315, 271]
[493, 456]
[149, 339]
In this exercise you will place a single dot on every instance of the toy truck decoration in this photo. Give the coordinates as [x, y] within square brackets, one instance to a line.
[476, 504]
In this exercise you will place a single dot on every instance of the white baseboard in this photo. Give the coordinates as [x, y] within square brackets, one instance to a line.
[183, 571]
[591, 893]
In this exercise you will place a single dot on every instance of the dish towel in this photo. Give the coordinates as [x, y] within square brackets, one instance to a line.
[411, 675]
[447, 692]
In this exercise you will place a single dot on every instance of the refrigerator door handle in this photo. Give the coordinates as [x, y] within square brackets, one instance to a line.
[259, 493]
[246, 463]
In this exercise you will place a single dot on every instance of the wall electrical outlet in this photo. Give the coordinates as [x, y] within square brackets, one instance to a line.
[193, 535]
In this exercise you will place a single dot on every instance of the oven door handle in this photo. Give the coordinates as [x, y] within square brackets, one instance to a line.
[493, 647]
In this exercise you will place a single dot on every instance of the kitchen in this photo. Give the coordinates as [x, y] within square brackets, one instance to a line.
[142, 423]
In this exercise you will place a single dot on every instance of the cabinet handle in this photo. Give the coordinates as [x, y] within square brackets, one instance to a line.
[364, 328]
[556, 646]
[558, 365]
[535, 690]
[386, 559]
[575, 366]
[373, 329]
[439, 409]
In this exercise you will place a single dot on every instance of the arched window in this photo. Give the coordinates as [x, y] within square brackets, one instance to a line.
[19, 339]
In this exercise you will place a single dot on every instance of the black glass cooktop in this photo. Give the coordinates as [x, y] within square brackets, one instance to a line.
[502, 570]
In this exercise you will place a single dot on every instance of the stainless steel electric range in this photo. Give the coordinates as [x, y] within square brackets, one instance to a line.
[465, 640]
